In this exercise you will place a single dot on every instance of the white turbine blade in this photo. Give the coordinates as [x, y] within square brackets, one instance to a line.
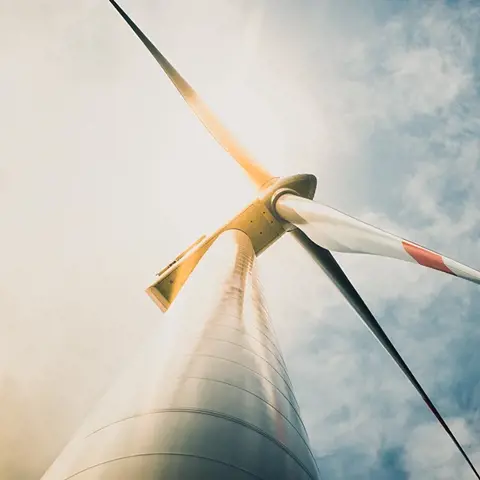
[339, 232]
[259, 176]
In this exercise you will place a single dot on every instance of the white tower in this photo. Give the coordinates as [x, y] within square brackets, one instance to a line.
[208, 398]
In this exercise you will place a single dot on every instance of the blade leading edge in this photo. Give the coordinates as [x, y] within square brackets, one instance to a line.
[332, 269]
[257, 174]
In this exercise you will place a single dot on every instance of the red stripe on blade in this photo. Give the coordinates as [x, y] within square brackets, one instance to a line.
[426, 258]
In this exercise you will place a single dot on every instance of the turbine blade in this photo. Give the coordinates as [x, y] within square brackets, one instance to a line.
[339, 232]
[332, 269]
[257, 174]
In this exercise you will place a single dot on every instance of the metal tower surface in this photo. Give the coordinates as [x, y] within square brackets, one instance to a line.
[208, 398]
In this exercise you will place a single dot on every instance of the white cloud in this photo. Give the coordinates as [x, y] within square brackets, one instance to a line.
[429, 453]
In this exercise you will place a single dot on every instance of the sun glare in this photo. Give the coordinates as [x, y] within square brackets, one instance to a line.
[213, 187]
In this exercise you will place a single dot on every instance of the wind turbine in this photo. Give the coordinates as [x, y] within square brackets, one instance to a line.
[250, 391]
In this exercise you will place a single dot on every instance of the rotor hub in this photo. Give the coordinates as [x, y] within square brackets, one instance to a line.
[259, 221]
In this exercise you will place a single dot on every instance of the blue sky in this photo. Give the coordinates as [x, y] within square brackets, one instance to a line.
[379, 99]
[409, 90]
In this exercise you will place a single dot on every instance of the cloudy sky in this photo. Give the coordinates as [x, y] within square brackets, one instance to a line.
[105, 176]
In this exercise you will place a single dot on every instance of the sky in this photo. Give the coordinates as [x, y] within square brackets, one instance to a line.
[105, 176]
